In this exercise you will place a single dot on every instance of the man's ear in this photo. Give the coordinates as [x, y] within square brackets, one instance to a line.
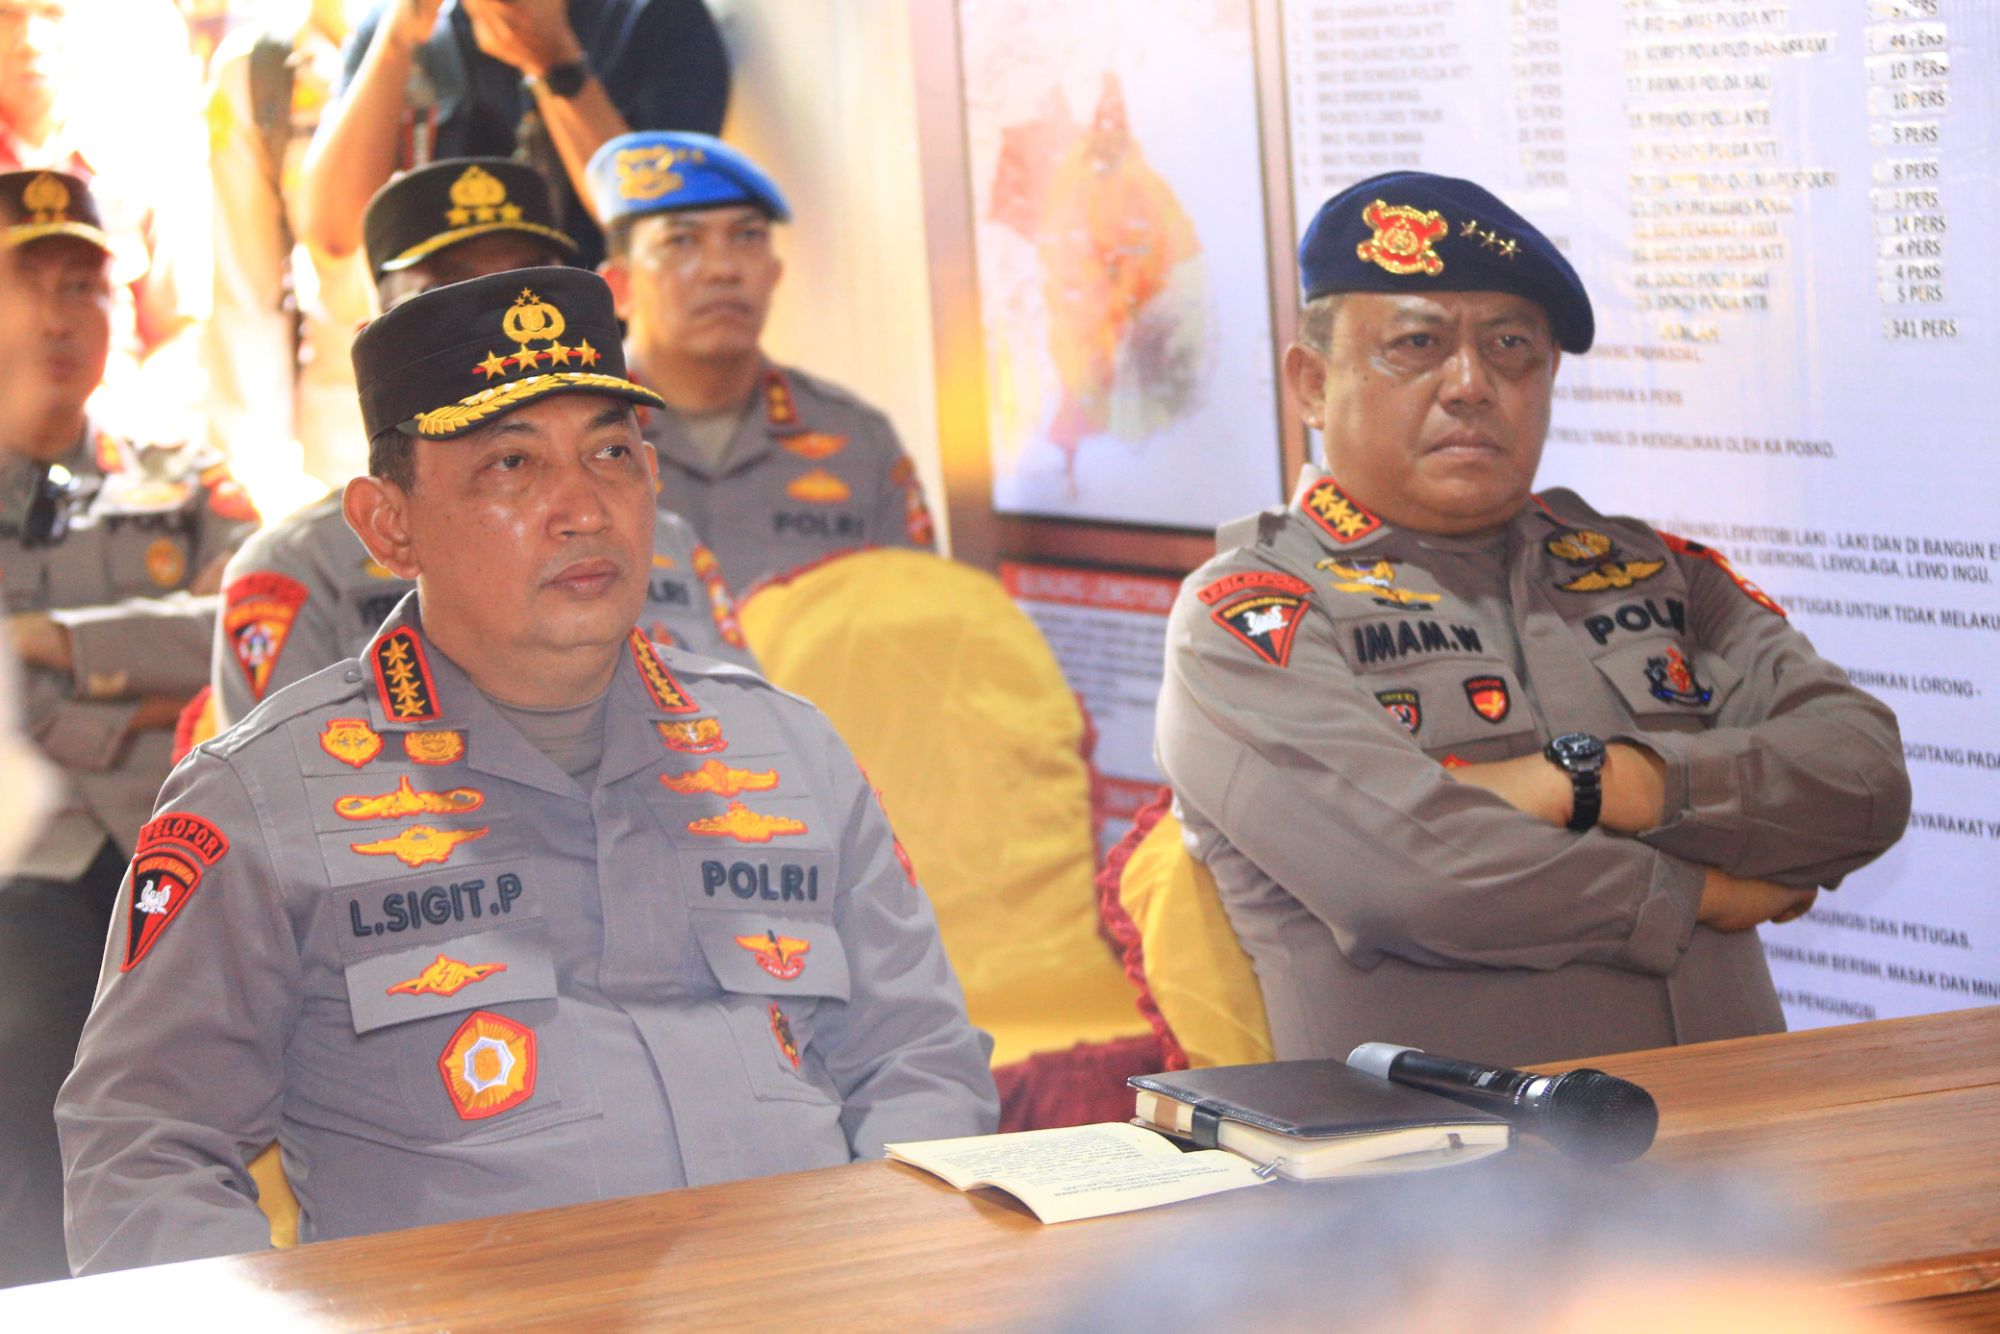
[1305, 375]
[379, 513]
[617, 275]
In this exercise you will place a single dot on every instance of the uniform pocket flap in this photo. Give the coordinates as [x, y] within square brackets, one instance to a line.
[773, 954]
[445, 976]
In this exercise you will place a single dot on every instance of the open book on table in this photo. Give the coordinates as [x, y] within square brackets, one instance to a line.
[1303, 1120]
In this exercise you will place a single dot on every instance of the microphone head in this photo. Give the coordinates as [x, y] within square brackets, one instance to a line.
[1599, 1118]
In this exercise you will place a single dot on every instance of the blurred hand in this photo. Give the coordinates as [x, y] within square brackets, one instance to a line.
[409, 22]
[39, 641]
[1737, 903]
[533, 36]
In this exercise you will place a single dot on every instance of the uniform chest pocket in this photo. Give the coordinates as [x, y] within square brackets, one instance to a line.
[1665, 686]
[1471, 708]
[776, 972]
[459, 1040]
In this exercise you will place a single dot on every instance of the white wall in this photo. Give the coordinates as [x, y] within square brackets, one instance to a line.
[825, 99]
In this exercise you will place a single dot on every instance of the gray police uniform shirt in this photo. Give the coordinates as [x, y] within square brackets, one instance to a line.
[143, 523]
[811, 471]
[373, 922]
[1326, 670]
[304, 594]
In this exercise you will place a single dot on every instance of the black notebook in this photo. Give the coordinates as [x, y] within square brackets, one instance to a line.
[1312, 1119]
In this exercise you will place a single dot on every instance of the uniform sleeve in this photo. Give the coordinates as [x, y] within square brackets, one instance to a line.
[179, 1075]
[901, 517]
[1305, 774]
[907, 1062]
[155, 646]
[266, 582]
[248, 341]
[1801, 779]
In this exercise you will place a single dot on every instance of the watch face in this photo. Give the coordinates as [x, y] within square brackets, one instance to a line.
[566, 80]
[1577, 750]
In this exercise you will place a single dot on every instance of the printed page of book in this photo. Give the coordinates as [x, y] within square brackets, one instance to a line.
[1080, 1171]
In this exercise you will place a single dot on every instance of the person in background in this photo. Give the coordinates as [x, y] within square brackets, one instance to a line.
[1480, 770]
[109, 553]
[775, 468]
[304, 593]
[547, 80]
[517, 908]
[140, 151]
[280, 386]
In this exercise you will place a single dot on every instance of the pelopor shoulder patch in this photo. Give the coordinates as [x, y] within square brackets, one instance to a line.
[170, 855]
[1261, 608]
[257, 616]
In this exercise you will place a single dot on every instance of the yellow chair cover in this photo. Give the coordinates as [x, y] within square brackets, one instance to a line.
[954, 705]
[1193, 966]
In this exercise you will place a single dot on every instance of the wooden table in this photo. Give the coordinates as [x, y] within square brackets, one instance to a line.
[1887, 1130]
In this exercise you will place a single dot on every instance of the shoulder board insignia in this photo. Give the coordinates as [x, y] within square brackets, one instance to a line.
[718, 779]
[488, 1066]
[1274, 581]
[1340, 516]
[171, 854]
[421, 844]
[257, 616]
[816, 446]
[779, 407]
[228, 500]
[1265, 621]
[433, 747]
[350, 740]
[783, 957]
[1681, 546]
[721, 609]
[403, 677]
[668, 694]
[745, 825]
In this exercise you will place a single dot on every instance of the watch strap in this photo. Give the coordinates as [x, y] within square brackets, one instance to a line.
[1588, 803]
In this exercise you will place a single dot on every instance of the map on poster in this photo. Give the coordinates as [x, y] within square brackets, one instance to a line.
[1780, 211]
[1123, 279]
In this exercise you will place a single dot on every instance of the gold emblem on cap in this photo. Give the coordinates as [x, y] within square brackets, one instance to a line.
[648, 173]
[480, 196]
[533, 320]
[1402, 240]
[47, 198]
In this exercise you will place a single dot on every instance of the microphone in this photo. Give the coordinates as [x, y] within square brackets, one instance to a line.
[1587, 1114]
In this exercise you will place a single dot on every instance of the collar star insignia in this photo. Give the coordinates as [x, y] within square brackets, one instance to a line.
[492, 366]
[589, 354]
[560, 355]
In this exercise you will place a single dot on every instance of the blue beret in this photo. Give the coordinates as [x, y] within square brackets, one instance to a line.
[1410, 231]
[656, 171]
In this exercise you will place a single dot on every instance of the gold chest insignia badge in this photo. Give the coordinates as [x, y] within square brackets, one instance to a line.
[420, 844]
[783, 957]
[1378, 581]
[1613, 574]
[745, 825]
[446, 977]
[718, 779]
[816, 447]
[433, 747]
[818, 487]
[406, 801]
[350, 740]
[1402, 238]
[699, 736]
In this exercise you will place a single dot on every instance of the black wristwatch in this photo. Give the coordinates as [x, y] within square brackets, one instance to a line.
[1581, 756]
[563, 81]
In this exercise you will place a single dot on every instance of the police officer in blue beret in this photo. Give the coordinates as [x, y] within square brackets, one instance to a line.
[516, 906]
[775, 468]
[1480, 769]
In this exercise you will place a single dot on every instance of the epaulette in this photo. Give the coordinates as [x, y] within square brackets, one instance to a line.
[329, 685]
